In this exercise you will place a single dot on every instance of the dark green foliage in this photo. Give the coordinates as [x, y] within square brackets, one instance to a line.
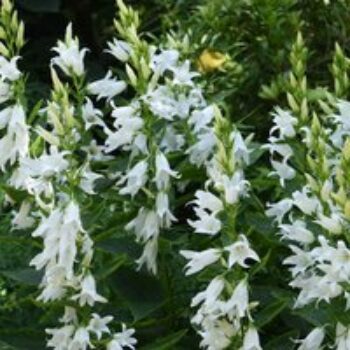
[258, 36]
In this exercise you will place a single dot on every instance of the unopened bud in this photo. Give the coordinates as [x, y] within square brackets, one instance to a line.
[121, 6]
[292, 103]
[325, 107]
[326, 191]
[119, 28]
[315, 126]
[304, 109]
[4, 50]
[346, 149]
[57, 84]
[339, 197]
[14, 21]
[20, 35]
[303, 84]
[7, 5]
[300, 40]
[335, 69]
[347, 209]
[293, 80]
[131, 75]
[47, 136]
[312, 182]
[2, 33]
[145, 70]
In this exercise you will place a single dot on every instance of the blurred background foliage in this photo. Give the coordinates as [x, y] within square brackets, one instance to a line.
[257, 36]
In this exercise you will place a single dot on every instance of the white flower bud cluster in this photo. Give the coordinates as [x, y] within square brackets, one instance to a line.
[168, 115]
[165, 126]
[52, 180]
[14, 142]
[223, 307]
[314, 219]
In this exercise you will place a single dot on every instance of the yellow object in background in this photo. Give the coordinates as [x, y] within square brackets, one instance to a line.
[209, 61]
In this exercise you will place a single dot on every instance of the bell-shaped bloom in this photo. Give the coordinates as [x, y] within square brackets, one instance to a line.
[313, 341]
[207, 200]
[297, 231]
[240, 251]
[238, 304]
[146, 225]
[61, 338]
[123, 340]
[199, 260]
[206, 223]
[81, 340]
[284, 123]
[98, 325]
[135, 178]
[69, 56]
[149, 256]
[251, 340]
[8, 68]
[107, 87]
[209, 297]
[164, 61]
[163, 172]
[119, 49]
[88, 294]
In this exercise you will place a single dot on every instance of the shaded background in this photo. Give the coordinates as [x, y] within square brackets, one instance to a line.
[46, 21]
[257, 34]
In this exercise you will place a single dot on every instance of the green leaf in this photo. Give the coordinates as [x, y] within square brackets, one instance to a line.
[257, 153]
[123, 245]
[23, 340]
[270, 312]
[34, 113]
[142, 292]
[282, 342]
[17, 195]
[167, 342]
[111, 267]
[315, 316]
[263, 226]
[27, 276]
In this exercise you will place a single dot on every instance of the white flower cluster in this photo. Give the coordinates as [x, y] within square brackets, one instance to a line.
[164, 125]
[72, 336]
[168, 115]
[53, 179]
[14, 142]
[314, 220]
[223, 306]
[284, 126]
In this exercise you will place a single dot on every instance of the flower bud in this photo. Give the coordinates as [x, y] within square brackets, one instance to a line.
[340, 196]
[20, 35]
[131, 75]
[47, 136]
[347, 209]
[14, 21]
[304, 109]
[4, 50]
[2, 33]
[145, 70]
[292, 103]
[315, 126]
[346, 149]
[209, 61]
